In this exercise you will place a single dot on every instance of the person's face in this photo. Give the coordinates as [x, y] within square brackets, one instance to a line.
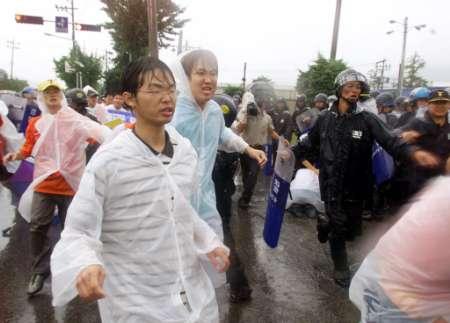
[280, 106]
[53, 99]
[351, 91]
[155, 100]
[421, 103]
[301, 103]
[109, 99]
[320, 105]
[92, 101]
[28, 96]
[438, 109]
[118, 101]
[203, 82]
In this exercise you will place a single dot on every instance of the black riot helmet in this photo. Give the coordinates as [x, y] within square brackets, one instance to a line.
[350, 75]
[228, 107]
[76, 99]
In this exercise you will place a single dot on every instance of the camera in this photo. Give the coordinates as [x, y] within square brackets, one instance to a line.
[252, 109]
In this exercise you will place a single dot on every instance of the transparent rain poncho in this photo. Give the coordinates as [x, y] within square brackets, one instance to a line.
[60, 148]
[406, 278]
[14, 140]
[132, 215]
[206, 130]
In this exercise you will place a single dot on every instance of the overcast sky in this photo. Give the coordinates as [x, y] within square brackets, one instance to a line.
[275, 38]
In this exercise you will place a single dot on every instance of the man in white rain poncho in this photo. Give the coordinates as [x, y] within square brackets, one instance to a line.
[132, 239]
[200, 119]
[56, 140]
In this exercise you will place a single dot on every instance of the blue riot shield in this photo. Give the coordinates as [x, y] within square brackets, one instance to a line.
[284, 169]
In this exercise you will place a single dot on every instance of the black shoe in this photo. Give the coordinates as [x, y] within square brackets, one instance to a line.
[6, 232]
[323, 228]
[342, 278]
[36, 283]
[240, 295]
[243, 204]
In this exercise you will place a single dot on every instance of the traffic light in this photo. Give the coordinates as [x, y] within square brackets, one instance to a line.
[61, 24]
[85, 27]
[25, 19]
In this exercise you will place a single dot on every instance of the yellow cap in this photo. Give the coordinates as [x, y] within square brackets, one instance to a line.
[49, 83]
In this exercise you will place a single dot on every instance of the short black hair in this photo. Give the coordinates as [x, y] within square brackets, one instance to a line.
[189, 60]
[134, 75]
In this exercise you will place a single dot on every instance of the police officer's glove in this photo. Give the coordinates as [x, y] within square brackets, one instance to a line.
[323, 228]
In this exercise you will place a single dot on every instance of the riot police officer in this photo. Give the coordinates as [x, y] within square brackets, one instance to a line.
[344, 136]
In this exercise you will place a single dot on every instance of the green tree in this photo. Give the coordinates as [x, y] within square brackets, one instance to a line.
[129, 31]
[319, 78]
[232, 89]
[262, 78]
[90, 67]
[412, 68]
[112, 82]
[12, 84]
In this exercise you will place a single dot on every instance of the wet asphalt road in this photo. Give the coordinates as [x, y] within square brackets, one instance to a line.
[290, 283]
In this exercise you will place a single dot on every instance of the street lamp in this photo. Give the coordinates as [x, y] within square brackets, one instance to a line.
[56, 36]
[405, 34]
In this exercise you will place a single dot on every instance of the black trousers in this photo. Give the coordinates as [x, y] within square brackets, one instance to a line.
[345, 225]
[43, 208]
[223, 173]
[250, 170]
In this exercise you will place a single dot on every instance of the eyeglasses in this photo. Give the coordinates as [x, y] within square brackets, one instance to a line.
[160, 92]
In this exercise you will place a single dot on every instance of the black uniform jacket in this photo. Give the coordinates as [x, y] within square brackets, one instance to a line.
[344, 145]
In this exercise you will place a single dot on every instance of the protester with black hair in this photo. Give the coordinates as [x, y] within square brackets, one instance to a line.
[131, 221]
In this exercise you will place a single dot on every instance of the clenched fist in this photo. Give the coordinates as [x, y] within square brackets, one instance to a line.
[90, 283]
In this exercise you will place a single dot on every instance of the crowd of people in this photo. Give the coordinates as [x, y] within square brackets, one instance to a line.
[142, 181]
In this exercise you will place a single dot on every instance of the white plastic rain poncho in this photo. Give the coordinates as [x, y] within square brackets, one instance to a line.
[206, 130]
[406, 278]
[13, 138]
[132, 215]
[60, 148]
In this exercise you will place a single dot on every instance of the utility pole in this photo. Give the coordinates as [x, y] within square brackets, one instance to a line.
[402, 66]
[337, 18]
[244, 77]
[74, 42]
[405, 26]
[107, 53]
[380, 67]
[180, 43]
[152, 28]
[72, 13]
[13, 45]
